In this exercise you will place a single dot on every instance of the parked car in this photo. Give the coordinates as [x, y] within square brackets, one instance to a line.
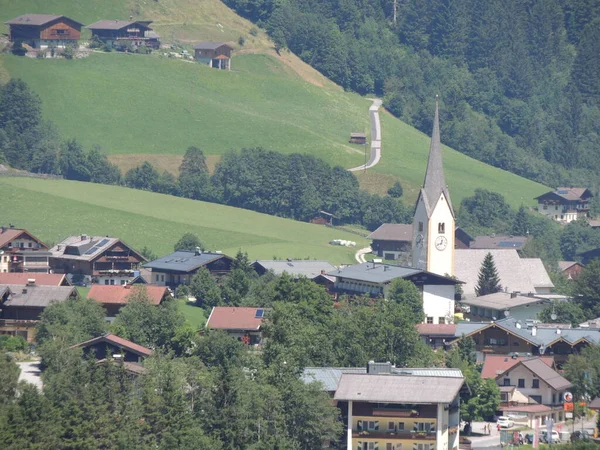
[505, 422]
[580, 435]
[555, 437]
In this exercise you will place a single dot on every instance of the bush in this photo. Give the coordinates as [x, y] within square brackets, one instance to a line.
[254, 31]
[69, 52]
[18, 49]
[96, 42]
[108, 47]
[41, 54]
[242, 41]
[143, 50]
[13, 343]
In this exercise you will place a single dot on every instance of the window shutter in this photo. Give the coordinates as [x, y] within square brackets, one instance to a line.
[432, 427]
[359, 425]
[376, 447]
[377, 425]
[360, 446]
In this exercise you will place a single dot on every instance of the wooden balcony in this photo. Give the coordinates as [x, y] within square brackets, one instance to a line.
[399, 435]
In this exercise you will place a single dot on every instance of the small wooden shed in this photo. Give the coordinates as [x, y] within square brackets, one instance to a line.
[358, 138]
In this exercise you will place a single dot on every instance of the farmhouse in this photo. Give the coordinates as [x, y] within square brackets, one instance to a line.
[214, 54]
[21, 251]
[244, 324]
[113, 32]
[96, 259]
[21, 306]
[179, 267]
[570, 269]
[436, 335]
[392, 241]
[43, 30]
[113, 298]
[374, 279]
[565, 204]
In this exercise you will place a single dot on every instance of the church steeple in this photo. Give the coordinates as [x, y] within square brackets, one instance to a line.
[435, 183]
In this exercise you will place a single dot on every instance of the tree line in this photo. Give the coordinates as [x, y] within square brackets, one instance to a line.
[518, 79]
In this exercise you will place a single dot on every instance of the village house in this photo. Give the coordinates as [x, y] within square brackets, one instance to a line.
[462, 239]
[21, 251]
[523, 307]
[312, 269]
[374, 279]
[113, 32]
[244, 324]
[565, 204]
[392, 241]
[113, 298]
[96, 259]
[570, 269]
[508, 335]
[42, 31]
[495, 365]
[386, 407]
[179, 267]
[21, 306]
[214, 54]
[436, 335]
[532, 389]
[40, 279]
[516, 274]
[500, 242]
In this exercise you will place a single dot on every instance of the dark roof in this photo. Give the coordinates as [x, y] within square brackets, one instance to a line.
[210, 45]
[567, 193]
[117, 341]
[547, 374]
[434, 184]
[393, 232]
[116, 24]
[595, 404]
[184, 261]
[235, 318]
[494, 241]
[37, 19]
[37, 296]
[88, 248]
[383, 273]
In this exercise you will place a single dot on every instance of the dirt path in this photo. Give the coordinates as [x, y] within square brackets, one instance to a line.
[360, 255]
[375, 137]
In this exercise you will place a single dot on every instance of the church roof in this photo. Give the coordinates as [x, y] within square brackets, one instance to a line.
[435, 182]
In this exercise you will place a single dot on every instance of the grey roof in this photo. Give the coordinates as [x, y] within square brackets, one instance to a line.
[183, 261]
[500, 242]
[513, 275]
[546, 373]
[296, 268]
[36, 19]
[115, 24]
[393, 232]
[537, 272]
[569, 193]
[434, 184]
[37, 296]
[398, 389]
[85, 248]
[382, 273]
[210, 45]
[502, 301]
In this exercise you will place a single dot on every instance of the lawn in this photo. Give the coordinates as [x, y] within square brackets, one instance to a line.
[54, 209]
[194, 315]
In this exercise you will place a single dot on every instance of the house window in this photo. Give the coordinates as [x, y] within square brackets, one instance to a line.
[535, 384]
[112, 282]
[545, 207]
[430, 320]
[503, 397]
[106, 282]
[123, 282]
[157, 277]
[441, 228]
[30, 245]
[536, 398]
[553, 399]
[162, 278]
[521, 382]
[61, 31]
[422, 447]
[391, 426]
[400, 426]
[507, 382]
[420, 227]
[371, 445]
[441, 320]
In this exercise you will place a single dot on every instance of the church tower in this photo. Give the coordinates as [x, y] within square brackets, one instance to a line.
[433, 222]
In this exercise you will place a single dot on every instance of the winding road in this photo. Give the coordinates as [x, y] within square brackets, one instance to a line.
[360, 254]
[375, 137]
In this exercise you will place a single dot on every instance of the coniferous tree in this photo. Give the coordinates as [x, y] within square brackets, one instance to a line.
[488, 281]
[520, 226]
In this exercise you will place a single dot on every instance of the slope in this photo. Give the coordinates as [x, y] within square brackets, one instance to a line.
[54, 209]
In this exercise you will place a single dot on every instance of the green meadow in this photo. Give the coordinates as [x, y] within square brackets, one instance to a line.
[54, 209]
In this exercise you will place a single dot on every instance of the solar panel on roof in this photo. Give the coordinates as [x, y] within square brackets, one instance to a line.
[562, 191]
[102, 243]
[91, 251]
[259, 313]
[509, 244]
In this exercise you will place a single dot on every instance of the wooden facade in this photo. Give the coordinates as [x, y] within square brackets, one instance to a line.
[43, 31]
[358, 138]
[115, 31]
[214, 54]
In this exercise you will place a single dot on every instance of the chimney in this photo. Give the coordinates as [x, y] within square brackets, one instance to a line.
[58, 247]
[558, 331]
[11, 225]
[379, 368]
[3, 229]
[513, 295]
[534, 331]
[24, 290]
[198, 251]
[530, 294]
[83, 237]
[322, 272]
[31, 282]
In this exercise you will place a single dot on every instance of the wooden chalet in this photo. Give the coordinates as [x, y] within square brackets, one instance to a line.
[214, 54]
[392, 241]
[43, 31]
[565, 204]
[137, 33]
[22, 252]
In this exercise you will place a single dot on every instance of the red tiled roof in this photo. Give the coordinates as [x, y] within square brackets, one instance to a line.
[494, 365]
[118, 295]
[431, 329]
[118, 341]
[527, 408]
[41, 279]
[234, 318]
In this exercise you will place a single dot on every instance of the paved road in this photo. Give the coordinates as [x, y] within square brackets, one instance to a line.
[360, 255]
[30, 373]
[375, 137]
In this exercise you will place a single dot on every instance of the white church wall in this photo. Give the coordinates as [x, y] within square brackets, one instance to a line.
[438, 302]
[441, 262]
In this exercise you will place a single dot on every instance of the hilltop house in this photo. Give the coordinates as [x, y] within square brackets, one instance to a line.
[501, 304]
[21, 251]
[113, 32]
[374, 279]
[565, 204]
[386, 407]
[244, 324]
[113, 298]
[21, 306]
[214, 54]
[43, 31]
[96, 259]
[179, 267]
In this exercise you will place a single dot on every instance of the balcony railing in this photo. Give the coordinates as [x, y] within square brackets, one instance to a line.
[410, 435]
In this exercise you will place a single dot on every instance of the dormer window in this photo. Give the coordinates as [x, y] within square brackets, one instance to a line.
[441, 228]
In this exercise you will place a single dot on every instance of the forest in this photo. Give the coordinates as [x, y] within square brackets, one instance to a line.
[518, 79]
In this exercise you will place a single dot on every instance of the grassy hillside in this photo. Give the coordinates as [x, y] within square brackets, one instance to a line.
[54, 209]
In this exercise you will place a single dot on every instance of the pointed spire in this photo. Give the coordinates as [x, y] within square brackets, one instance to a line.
[435, 182]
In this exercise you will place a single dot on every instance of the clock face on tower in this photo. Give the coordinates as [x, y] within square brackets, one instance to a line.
[441, 242]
